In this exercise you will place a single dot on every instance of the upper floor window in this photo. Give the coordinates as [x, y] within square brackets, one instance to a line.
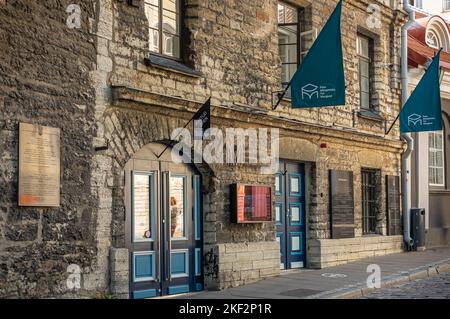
[436, 160]
[446, 5]
[288, 40]
[365, 54]
[416, 3]
[164, 27]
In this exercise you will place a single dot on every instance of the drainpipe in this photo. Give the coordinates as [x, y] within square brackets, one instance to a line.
[406, 159]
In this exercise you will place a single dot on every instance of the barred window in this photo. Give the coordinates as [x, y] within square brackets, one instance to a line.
[436, 160]
[164, 27]
[370, 188]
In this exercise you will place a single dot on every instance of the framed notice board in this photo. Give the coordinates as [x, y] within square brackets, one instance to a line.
[251, 203]
[39, 166]
[342, 204]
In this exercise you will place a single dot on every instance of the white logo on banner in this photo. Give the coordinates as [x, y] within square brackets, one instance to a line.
[324, 91]
[310, 90]
[417, 119]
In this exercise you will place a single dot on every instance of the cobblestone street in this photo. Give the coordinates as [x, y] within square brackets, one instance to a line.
[437, 287]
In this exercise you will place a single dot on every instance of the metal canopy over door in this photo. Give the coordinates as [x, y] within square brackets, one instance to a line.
[163, 228]
[290, 214]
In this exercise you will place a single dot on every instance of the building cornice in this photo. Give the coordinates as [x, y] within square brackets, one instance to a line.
[258, 116]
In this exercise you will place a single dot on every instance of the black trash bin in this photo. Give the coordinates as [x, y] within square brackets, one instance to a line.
[418, 228]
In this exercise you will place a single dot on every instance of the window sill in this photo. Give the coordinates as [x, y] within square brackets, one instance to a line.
[438, 190]
[170, 65]
[370, 115]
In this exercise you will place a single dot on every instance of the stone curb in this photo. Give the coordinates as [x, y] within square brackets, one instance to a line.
[361, 289]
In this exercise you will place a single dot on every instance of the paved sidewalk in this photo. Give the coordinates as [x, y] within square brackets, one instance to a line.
[346, 281]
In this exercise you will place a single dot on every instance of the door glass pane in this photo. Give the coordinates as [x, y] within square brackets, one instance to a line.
[295, 214]
[278, 213]
[295, 243]
[278, 183]
[141, 208]
[295, 185]
[177, 207]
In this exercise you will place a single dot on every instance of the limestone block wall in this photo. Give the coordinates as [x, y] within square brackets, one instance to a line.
[242, 263]
[119, 272]
[332, 252]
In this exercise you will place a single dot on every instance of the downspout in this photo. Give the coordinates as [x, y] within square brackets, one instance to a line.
[406, 158]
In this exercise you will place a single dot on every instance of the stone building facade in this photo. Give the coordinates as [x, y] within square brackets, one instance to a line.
[117, 104]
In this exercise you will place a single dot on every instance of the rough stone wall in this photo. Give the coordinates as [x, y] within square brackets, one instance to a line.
[44, 79]
[234, 45]
[65, 78]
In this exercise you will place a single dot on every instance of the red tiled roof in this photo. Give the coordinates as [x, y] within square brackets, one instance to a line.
[418, 51]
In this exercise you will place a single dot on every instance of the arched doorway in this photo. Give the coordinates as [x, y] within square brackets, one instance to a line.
[163, 224]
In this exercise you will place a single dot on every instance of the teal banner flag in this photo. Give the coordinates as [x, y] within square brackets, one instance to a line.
[320, 79]
[422, 111]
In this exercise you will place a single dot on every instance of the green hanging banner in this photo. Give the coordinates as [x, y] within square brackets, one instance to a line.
[422, 111]
[320, 80]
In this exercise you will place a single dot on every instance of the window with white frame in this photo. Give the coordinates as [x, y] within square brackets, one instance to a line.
[416, 3]
[164, 27]
[446, 5]
[436, 160]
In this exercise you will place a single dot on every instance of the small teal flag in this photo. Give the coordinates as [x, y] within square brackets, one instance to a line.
[422, 111]
[320, 79]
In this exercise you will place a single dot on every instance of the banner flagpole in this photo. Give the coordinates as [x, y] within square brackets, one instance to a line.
[281, 95]
[441, 72]
[168, 144]
[203, 114]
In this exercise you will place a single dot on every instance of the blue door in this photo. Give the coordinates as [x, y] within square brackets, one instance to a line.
[290, 214]
[164, 229]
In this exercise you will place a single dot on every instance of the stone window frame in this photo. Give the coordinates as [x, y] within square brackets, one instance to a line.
[180, 33]
[369, 60]
[174, 64]
[372, 113]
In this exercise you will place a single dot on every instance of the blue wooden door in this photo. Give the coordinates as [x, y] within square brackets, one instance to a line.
[290, 214]
[164, 236]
